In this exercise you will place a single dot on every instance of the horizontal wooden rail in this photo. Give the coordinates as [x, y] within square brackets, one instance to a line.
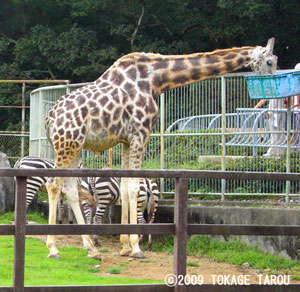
[58, 229]
[104, 288]
[160, 288]
[9, 172]
[161, 228]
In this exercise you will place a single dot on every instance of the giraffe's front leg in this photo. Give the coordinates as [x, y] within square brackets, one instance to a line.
[71, 190]
[54, 189]
[133, 189]
[124, 239]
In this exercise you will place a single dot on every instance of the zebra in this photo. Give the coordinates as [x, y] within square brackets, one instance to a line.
[147, 202]
[34, 184]
[106, 192]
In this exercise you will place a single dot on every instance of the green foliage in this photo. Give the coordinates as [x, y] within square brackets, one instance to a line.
[80, 39]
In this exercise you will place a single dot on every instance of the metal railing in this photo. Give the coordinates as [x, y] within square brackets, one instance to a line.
[180, 228]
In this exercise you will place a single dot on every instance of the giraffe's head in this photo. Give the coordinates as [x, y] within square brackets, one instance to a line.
[262, 61]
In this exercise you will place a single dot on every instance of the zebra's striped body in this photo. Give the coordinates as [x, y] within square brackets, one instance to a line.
[106, 193]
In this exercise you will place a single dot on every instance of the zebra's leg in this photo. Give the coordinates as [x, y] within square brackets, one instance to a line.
[151, 221]
[87, 211]
[111, 214]
[60, 210]
[71, 190]
[98, 218]
[141, 219]
[70, 215]
[141, 204]
[152, 208]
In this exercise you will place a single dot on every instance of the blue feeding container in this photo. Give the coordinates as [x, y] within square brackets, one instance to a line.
[283, 84]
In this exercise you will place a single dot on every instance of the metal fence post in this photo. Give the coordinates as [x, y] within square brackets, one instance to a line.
[288, 150]
[19, 243]
[223, 106]
[23, 120]
[162, 139]
[180, 238]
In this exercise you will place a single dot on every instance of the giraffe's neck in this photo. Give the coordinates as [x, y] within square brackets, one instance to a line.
[173, 71]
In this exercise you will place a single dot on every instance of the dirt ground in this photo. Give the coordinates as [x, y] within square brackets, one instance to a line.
[159, 264]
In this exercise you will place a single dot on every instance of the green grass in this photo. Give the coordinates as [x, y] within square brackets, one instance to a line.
[234, 252]
[192, 264]
[74, 268]
[8, 217]
[114, 271]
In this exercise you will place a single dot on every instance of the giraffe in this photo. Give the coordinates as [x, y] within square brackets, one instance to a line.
[120, 107]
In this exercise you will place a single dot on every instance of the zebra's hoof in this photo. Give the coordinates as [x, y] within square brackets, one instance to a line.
[138, 255]
[54, 256]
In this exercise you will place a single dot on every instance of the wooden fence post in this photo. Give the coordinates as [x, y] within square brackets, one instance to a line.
[19, 243]
[180, 238]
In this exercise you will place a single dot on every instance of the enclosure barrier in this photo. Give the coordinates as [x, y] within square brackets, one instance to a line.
[180, 228]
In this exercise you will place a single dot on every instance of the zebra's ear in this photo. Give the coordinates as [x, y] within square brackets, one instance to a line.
[80, 165]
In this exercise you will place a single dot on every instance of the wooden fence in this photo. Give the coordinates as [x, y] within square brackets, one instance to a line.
[180, 228]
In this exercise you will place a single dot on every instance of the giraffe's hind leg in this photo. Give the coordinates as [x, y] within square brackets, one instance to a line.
[137, 147]
[124, 238]
[133, 186]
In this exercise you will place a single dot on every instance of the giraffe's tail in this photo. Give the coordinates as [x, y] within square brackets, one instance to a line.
[84, 196]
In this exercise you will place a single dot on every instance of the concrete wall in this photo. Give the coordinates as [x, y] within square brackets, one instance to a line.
[287, 246]
[7, 187]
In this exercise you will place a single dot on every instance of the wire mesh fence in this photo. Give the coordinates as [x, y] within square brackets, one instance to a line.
[14, 145]
[210, 125]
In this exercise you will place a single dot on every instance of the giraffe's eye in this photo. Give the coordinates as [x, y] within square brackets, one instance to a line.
[269, 62]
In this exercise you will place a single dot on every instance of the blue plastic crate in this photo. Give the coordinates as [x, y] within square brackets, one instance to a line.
[283, 84]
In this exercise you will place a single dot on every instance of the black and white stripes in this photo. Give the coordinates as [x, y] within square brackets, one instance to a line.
[34, 183]
[105, 191]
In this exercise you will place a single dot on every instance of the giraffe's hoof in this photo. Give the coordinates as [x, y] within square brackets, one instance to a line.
[125, 253]
[54, 256]
[96, 256]
[138, 255]
[97, 243]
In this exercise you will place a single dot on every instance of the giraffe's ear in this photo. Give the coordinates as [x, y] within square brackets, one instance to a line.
[270, 45]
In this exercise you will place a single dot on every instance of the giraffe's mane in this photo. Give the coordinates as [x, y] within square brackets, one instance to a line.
[234, 49]
[137, 55]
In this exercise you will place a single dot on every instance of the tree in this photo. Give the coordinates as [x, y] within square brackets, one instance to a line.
[80, 39]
